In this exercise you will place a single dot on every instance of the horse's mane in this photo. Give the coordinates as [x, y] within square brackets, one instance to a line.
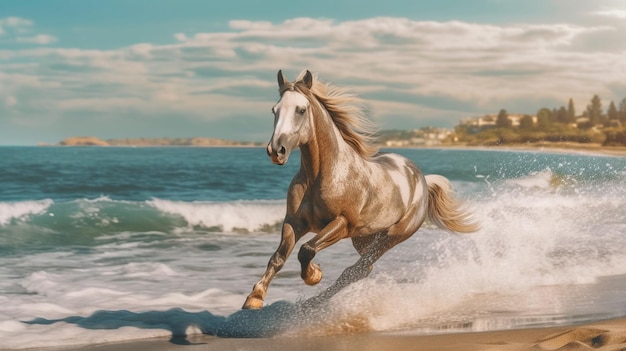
[346, 110]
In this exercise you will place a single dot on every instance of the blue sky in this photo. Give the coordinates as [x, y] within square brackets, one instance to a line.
[130, 68]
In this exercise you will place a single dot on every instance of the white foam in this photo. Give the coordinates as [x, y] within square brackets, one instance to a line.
[532, 249]
[541, 180]
[64, 310]
[229, 216]
[19, 210]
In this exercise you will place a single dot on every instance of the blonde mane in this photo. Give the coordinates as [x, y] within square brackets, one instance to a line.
[346, 111]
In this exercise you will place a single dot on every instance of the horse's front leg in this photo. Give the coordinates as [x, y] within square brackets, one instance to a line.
[330, 234]
[277, 261]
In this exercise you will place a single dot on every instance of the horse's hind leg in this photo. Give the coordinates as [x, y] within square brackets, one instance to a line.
[371, 248]
[364, 265]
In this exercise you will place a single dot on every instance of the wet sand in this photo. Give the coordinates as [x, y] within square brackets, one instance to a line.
[604, 336]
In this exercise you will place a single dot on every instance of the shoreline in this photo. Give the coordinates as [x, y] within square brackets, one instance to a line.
[565, 148]
[555, 148]
[602, 335]
[550, 147]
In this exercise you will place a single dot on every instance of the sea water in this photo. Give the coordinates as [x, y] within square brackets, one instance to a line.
[112, 244]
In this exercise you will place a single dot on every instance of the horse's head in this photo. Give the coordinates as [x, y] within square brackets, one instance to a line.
[292, 126]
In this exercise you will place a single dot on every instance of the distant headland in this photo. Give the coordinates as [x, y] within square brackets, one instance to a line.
[146, 142]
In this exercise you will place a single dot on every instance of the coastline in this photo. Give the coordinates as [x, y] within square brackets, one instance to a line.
[554, 148]
[570, 148]
[602, 335]
[549, 147]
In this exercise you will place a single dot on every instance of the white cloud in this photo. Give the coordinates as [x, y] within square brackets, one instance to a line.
[181, 37]
[16, 28]
[143, 49]
[614, 13]
[37, 39]
[411, 69]
[15, 22]
[250, 25]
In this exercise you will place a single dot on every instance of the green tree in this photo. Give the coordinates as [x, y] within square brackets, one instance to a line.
[526, 123]
[554, 115]
[594, 110]
[561, 115]
[503, 119]
[571, 112]
[622, 110]
[612, 112]
[544, 116]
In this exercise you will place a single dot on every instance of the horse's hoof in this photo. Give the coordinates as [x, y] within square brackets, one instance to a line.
[252, 303]
[314, 277]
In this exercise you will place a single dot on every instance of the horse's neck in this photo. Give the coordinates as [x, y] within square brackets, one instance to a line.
[323, 151]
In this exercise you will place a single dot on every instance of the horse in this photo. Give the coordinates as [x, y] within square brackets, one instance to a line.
[345, 187]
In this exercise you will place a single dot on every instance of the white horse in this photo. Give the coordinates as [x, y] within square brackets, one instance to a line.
[345, 188]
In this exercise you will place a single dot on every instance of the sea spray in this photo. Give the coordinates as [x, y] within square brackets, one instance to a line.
[538, 250]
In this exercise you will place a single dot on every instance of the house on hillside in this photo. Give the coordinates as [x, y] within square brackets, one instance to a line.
[427, 136]
[480, 123]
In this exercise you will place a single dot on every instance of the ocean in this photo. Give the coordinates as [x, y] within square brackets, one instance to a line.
[111, 244]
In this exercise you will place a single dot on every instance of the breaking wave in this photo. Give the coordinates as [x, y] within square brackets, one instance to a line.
[73, 221]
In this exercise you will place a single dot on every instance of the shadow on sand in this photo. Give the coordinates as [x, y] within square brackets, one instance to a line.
[265, 322]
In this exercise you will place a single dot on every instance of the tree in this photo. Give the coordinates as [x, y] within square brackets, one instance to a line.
[571, 112]
[561, 115]
[594, 110]
[622, 110]
[503, 119]
[612, 113]
[544, 116]
[526, 123]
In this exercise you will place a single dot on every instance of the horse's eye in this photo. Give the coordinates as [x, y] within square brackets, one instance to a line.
[302, 110]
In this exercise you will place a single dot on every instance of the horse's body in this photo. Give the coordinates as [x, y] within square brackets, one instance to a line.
[344, 188]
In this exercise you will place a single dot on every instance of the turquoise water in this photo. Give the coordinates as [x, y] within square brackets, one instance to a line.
[184, 233]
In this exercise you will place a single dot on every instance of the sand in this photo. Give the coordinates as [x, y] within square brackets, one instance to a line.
[553, 148]
[604, 336]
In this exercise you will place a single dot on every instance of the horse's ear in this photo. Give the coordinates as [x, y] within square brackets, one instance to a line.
[308, 79]
[281, 78]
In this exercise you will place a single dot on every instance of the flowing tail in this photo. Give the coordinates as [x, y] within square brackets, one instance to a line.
[446, 211]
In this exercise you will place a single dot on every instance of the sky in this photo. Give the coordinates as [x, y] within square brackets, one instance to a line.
[196, 68]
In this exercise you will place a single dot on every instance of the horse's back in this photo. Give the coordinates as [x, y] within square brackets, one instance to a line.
[391, 162]
[396, 185]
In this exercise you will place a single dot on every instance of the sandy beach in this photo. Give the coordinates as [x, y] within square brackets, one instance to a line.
[548, 147]
[604, 335]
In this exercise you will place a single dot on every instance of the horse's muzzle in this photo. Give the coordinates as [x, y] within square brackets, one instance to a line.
[278, 156]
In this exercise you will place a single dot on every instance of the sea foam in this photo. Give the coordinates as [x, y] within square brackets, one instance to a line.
[248, 216]
[10, 211]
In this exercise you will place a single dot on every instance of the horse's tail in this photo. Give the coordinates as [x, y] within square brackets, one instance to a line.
[446, 211]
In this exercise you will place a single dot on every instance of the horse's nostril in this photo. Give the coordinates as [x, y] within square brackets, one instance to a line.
[282, 150]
